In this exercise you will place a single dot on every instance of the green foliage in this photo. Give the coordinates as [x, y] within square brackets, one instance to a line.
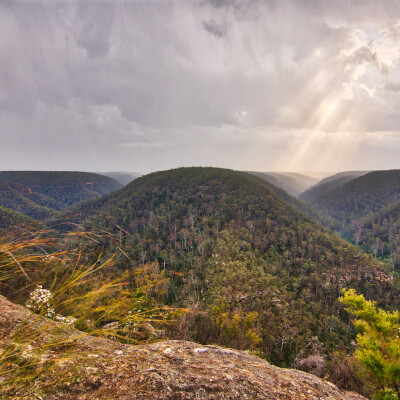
[379, 342]
[387, 394]
[235, 327]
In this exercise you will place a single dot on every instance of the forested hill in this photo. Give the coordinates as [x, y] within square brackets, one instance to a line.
[255, 271]
[312, 194]
[22, 199]
[9, 218]
[191, 180]
[40, 195]
[64, 187]
[359, 197]
[80, 212]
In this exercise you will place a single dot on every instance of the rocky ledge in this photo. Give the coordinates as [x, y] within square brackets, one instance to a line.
[45, 360]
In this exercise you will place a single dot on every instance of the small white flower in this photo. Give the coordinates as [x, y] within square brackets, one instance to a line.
[40, 300]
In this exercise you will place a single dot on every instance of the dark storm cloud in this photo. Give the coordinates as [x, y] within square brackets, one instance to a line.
[145, 85]
[94, 27]
[223, 3]
[218, 29]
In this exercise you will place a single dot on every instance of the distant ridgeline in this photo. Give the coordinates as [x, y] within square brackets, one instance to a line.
[256, 271]
[292, 183]
[122, 177]
[42, 194]
[364, 209]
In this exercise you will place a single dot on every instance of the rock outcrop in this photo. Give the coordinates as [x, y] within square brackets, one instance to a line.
[63, 363]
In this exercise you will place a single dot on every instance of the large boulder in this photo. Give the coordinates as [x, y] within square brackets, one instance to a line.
[61, 362]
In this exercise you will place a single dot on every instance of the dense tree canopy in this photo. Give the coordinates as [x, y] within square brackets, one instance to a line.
[259, 272]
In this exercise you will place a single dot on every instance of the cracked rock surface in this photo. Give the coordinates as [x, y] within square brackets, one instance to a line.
[74, 365]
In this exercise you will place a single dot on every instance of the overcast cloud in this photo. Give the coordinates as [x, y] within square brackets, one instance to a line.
[150, 85]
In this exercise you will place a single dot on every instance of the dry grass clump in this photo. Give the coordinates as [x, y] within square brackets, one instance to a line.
[58, 285]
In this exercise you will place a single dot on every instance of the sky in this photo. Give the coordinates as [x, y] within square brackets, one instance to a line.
[264, 85]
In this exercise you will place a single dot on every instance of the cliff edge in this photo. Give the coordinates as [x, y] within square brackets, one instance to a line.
[45, 360]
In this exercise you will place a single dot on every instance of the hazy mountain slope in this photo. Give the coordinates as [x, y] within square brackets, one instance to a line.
[263, 274]
[292, 183]
[329, 183]
[122, 177]
[64, 187]
[312, 195]
[22, 199]
[333, 177]
[290, 199]
[303, 179]
[359, 197]
[319, 175]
